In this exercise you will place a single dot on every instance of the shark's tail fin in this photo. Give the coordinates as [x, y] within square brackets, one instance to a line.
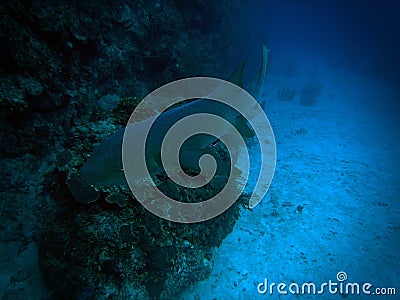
[256, 86]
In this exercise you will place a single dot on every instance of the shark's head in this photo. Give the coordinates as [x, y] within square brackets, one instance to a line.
[104, 166]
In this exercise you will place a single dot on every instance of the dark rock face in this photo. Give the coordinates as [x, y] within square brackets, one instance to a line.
[71, 72]
[59, 59]
[128, 252]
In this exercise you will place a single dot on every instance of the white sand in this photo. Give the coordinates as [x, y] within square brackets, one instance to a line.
[339, 159]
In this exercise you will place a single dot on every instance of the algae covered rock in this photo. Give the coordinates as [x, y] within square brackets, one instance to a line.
[58, 60]
[126, 252]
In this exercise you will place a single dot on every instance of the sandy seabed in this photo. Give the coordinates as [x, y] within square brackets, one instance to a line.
[334, 202]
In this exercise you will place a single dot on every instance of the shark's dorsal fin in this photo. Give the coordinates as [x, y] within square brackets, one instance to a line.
[237, 75]
[256, 86]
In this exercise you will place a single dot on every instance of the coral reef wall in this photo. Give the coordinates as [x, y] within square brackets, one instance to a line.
[69, 73]
[59, 57]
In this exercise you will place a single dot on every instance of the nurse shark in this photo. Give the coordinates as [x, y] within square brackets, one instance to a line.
[105, 168]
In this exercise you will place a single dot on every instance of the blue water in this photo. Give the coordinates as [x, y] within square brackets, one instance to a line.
[332, 96]
[334, 202]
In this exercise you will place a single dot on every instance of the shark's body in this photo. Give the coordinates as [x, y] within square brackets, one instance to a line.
[104, 166]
